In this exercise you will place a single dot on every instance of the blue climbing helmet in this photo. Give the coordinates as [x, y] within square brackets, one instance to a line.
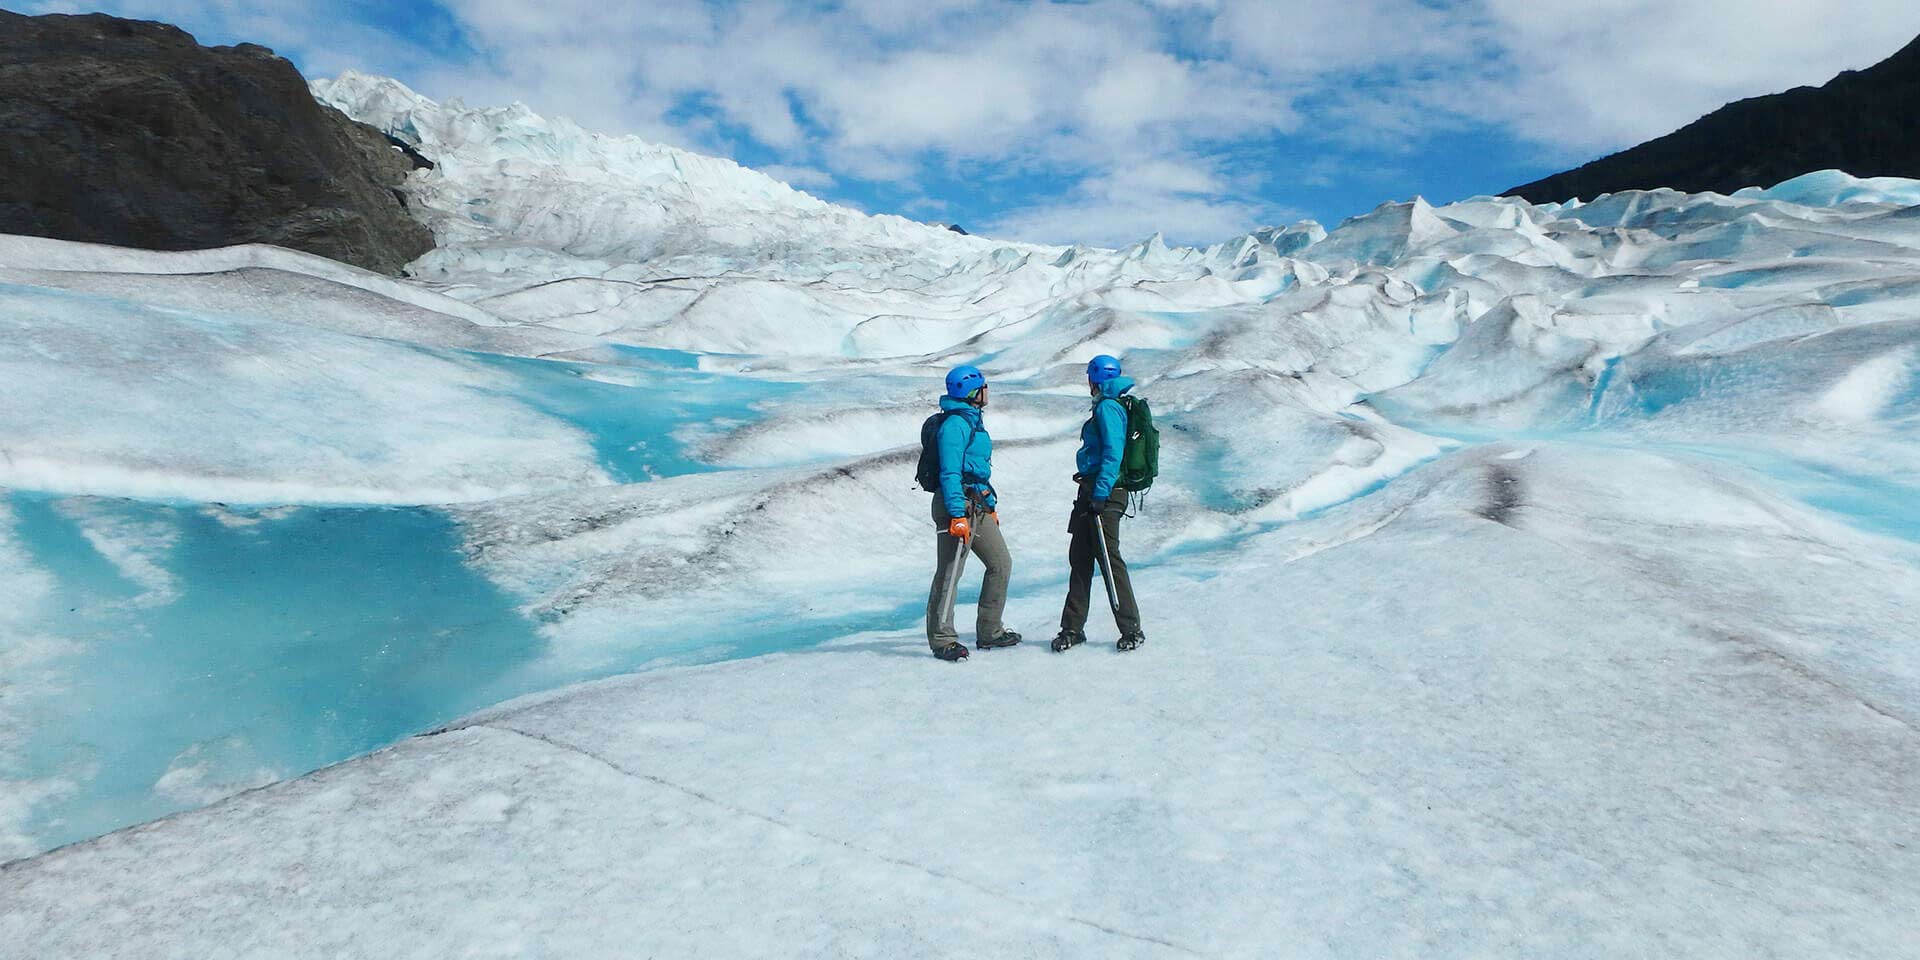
[963, 380]
[1102, 368]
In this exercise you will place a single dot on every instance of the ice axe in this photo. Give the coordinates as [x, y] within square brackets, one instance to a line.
[1102, 559]
[954, 565]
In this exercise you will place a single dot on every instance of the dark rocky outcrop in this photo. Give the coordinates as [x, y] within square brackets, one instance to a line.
[131, 133]
[1861, 122]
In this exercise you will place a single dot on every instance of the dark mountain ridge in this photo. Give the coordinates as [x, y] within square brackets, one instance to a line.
[1862, 121]
[131, 133]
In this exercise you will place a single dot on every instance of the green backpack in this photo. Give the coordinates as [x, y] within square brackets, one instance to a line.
[1140, 461]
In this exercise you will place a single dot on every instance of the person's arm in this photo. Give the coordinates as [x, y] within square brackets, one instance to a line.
[1110, 425]
[951, 441]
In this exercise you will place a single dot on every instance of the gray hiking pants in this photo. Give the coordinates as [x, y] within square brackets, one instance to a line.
[1083, 572]
[991, 548]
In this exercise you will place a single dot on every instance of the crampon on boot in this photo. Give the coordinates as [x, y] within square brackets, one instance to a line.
[1068, 638]
[952, 652]
[1005, 638]
[1131, 641]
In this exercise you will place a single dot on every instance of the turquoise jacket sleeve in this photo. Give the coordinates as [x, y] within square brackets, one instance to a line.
[952, 441]
[1110, 426]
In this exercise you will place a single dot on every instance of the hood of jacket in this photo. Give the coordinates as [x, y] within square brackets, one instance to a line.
[1112, 389]
[963, 408]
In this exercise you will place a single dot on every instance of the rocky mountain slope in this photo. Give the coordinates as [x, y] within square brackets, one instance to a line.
[131, 133]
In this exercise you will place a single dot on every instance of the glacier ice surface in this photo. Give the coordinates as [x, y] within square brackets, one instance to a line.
[1555, 571]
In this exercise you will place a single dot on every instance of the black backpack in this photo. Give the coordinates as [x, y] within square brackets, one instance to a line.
[928, 472]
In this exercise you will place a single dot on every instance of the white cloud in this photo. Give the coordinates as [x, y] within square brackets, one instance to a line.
[588, 61]
[908, 18]
[1186, 200]
[1115, 222]
[884, 86]
[1061, 82]
[1606, 75]
[1312, 38]
[1165, 176]
[1623, 71]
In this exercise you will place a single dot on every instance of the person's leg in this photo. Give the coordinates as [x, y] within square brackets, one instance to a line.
[946, 577]
[1073, 615]
[1128, 613]
[991, 548]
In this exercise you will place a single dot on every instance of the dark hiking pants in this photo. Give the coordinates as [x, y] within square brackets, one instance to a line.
[991, 548]
[1080, 557]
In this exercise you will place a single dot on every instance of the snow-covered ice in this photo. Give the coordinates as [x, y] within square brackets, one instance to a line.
[195, 406]
[1495, 721]
[1522, 580]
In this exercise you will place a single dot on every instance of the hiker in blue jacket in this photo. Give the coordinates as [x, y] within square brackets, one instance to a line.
[1103, 440]
[964, 513]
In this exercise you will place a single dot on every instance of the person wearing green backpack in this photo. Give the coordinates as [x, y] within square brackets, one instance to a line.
[1119, 453]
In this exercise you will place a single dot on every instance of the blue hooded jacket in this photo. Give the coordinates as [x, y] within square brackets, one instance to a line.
[1104, 439]
[966, 457]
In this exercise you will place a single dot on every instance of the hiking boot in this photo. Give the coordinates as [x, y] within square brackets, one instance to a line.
[1068, 638]
[1005, 638]
[1131, 641]
[952, 652]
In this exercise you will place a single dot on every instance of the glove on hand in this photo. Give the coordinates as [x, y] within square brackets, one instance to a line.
[959, 527]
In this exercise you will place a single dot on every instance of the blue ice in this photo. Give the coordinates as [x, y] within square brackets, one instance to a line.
[633, 412]
[295, 639]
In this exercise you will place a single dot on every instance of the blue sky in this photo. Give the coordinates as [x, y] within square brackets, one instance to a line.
[1099, 121]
